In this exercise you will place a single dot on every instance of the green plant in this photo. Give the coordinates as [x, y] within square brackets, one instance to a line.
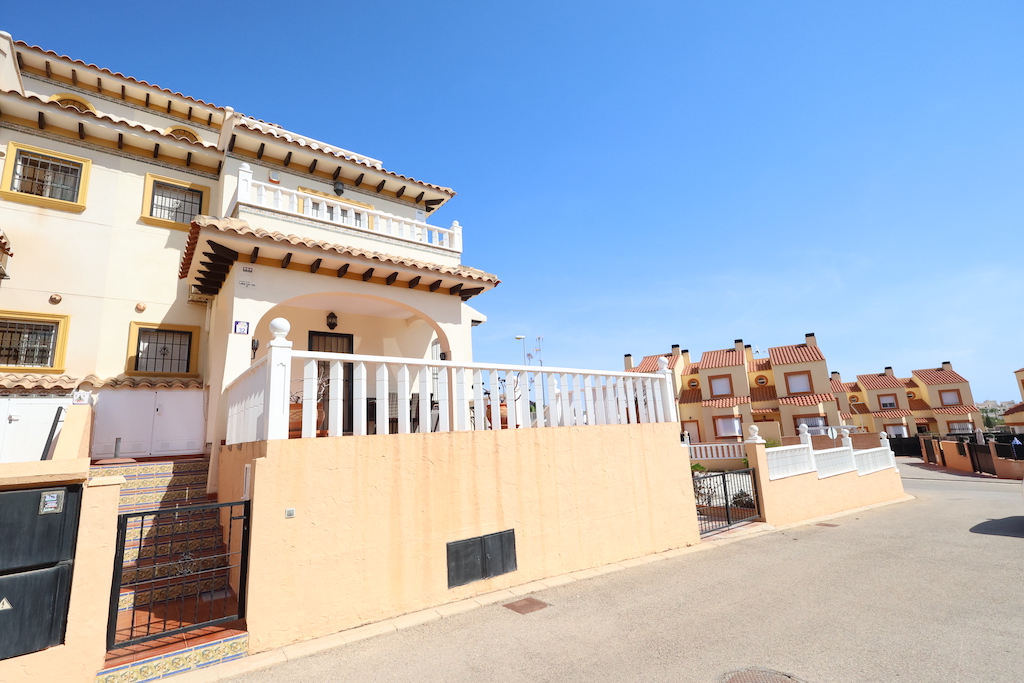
[746, 463]
[772, 443]
[742, 499]
[697, 467]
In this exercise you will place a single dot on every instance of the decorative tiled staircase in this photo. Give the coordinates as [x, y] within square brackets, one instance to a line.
[156, 551]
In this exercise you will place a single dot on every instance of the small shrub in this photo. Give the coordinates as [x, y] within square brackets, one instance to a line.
[697, 467]
[772, 443]
[742, 499]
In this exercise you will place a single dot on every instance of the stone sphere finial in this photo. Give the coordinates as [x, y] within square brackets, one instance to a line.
[754, 431]
[662, 364]
[803, 429]
[845, 433]
[883, 435]
[244, 167]
[455, 224]
[279, 327]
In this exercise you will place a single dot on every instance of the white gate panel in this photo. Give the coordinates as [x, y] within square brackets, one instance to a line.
[126, 414]
[25, 425]
[179, 425]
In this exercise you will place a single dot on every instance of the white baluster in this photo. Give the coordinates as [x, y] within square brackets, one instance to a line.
[631, 400]
[336, 400]
[279, 364]
[382, 400]
[443, 401]
[424, 409]
[277, 198]
[555, 418]
[261, 195]
[479, 411]
[523, 400]
[309, 391]
[293, 203]
[495, 389]
[359, 398]
[642, 402]
[404, 408]
[538, 397]
[461, 401]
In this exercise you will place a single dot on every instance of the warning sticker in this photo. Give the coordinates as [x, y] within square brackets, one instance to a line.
[5, 604]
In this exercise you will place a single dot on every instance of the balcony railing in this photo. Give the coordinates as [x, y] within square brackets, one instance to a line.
[340, 394]
[789, 461]
[343, 214]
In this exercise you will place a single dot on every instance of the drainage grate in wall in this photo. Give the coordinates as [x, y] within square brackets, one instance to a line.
[526, 605]
[759, 676]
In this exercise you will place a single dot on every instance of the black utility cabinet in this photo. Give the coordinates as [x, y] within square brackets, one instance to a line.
[38, 532]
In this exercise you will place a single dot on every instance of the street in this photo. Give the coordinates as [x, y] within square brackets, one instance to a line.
[925, 590]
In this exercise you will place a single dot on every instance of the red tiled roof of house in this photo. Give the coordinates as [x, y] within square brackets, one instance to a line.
[765, 393]
[759, 365]
[957, 410]
[918, 404]
[897, 412]
[923, 420]
[1019, 408]
[807, 400]
[908, 382]
[880, 381]
[764, 410]
[797, 353]
[689, 396]
[722, 358]
[846, 416]
[726, 402]
[860, 408]
[650, 363]
[844, 387]
[1016, 371]
[933, 376]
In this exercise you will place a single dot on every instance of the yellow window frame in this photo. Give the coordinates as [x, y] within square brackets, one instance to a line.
[7, 180]
[59, 352]
[133, 349]
[147, 201]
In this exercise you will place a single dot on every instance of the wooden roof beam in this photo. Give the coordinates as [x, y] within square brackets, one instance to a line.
[259, 152]
[434, 286]
[254, 255]
[415, 282]
[286, 260]
[343, 270]
[380, 185]
[222, 251]
[359, 180]
[287, 159]
[312, 166]
[367, 275]
[456, 289]
[391, 278]
[315, 265]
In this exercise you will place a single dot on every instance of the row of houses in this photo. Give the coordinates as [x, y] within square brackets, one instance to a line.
[729, 389]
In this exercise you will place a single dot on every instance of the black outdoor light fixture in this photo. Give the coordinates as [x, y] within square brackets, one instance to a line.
[332, 321]
[339, 188]
[255, 344]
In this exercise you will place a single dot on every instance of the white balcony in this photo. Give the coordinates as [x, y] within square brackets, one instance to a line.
[339, 214]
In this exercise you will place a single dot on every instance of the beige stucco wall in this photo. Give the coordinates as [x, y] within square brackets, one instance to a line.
[953, 458]
[804, 496]
[374, 514]
[84, 648]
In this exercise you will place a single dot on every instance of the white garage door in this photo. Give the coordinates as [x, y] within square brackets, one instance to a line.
[149, 423]
[25, 426]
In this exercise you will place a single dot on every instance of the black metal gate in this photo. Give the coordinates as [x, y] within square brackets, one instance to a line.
[981, 458]
[177, 570]
[724, 499]
[908, 446]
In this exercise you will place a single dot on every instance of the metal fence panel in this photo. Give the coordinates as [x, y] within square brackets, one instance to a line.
[724, 499]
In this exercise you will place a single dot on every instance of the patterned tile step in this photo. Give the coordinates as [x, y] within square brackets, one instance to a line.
[170, 590]
[178, 661]
[147, 482]
[160, 526]
[157, 468]
[155, 497]
[165, 550]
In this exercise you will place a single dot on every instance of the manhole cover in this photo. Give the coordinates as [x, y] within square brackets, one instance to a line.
[759, 676]
[526, 605]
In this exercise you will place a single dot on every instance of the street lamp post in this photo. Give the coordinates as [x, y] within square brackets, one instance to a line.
[522, 338]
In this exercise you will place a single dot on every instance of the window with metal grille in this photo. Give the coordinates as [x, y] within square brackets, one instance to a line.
[46, 176]
[175, 203]
[481, 558]
[163, 351]
[27, 344]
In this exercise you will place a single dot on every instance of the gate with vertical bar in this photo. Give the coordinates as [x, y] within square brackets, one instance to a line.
[725, 499]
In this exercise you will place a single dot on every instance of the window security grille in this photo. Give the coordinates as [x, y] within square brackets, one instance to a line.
[481, 557]
[27, 344]
[163, 351]
[173, 203]
[46, 176]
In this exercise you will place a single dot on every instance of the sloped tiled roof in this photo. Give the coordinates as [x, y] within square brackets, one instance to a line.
[764, 410]
[723, 358]
[933, 376]
[860, 408]
[1019, 408]
[846, 416]
[759, 365]
[880, 381]
[726, 402]
[918, 404]
[33, 382]
[908, 382]
[957, 410]
[152, 383]
[807, 400]
[923, 420]
[844, 387]
[689, 396]
[797, 353]
[650, 363]
[691, 369]
[897, 412]
[765, 393]
[241, 227]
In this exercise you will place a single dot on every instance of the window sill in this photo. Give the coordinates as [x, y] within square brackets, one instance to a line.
[45, 202]
[31, 370]
[164, 223]
[181, 375]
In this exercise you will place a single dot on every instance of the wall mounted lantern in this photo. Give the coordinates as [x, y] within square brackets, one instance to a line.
[339, 188]
[332, 321]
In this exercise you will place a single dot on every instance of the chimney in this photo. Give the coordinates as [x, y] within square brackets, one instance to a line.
[749, 351]
[888, 370]
[810, 340]
[628, 361]
[675, 349]
[739, 345]
[836, 376]
[686, 356]
[946, 365]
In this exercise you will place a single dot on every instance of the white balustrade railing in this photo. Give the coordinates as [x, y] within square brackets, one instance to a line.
[717, 451]
[344, 214]
[338, 394]
[789, 461]
[246, 404]
[874, 459]
[832, 461]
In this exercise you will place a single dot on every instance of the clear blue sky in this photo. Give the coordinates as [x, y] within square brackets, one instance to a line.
[643, 174]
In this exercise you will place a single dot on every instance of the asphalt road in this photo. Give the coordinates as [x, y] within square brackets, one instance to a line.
[927, 590]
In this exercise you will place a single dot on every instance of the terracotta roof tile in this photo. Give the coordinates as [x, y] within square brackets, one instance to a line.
[650, 363]
[764, 410]
[918, 404]
[846, 416]
[933, 376]
[807, 400]
[726, 402]
[880, 381]
[765, 393]
[923, 420]
[957, 410]
[1019, 408]
[116, 74]
[39, 383]
[691, 369]
[152, 383]
[897, 412]
[860, 408]
[759, 365]
[844, 387]
[241, 227]
[797, 353]
[909, 383]
[689, 396]
[723, 358]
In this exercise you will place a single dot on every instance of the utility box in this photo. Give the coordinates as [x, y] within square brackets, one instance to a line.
[38, 533]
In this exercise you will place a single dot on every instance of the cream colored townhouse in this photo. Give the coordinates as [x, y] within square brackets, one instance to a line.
[1014, 416]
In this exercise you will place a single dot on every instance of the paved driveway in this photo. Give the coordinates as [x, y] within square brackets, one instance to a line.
[927, 590]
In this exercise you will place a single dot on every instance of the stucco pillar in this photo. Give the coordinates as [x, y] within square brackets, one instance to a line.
[757, 458]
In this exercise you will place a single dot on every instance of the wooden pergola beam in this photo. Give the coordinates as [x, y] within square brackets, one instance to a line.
[367, 275]
[286, 260]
